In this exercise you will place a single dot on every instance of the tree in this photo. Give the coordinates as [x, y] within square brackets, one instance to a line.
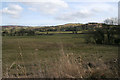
[108, 34]
[98, 36]
[111, 21]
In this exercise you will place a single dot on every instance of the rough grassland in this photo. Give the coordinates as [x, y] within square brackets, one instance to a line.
[33, 53]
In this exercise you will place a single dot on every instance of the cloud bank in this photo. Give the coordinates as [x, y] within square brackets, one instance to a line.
[47, 7]
[13, 10]
[87, 10]
[63, 0]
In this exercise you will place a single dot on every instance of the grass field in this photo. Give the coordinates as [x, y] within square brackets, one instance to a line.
[31, 56]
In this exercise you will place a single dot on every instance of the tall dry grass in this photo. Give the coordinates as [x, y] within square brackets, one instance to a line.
[73, 66]
[68, 65]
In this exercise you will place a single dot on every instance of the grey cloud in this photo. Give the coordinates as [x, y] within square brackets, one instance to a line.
[74, 15]
[48, 7]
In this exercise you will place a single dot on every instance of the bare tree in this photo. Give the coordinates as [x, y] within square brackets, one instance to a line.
[111, 21]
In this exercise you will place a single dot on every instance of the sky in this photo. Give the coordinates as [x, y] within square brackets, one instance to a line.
[56, 12]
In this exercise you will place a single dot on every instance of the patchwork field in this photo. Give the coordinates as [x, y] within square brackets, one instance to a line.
[58, 55]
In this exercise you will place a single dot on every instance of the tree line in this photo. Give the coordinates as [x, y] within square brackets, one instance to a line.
[108, 34]
[31, 31]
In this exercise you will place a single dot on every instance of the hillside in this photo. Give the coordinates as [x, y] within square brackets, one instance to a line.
[64, 25]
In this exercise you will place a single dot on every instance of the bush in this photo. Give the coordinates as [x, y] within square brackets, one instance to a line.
[105, 35]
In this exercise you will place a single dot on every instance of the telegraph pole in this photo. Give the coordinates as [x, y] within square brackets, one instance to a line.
[119, 13]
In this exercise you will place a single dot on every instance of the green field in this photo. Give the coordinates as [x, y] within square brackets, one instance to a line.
[32, 53]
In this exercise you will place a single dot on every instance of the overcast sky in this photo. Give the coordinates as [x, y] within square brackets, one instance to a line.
[55, 12]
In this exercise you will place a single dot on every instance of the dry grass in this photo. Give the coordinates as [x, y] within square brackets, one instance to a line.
[67, 65]
[73, 66]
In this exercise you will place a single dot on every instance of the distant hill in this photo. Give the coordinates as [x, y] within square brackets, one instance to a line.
[70, 25]
[64, 25]
[6, 26]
